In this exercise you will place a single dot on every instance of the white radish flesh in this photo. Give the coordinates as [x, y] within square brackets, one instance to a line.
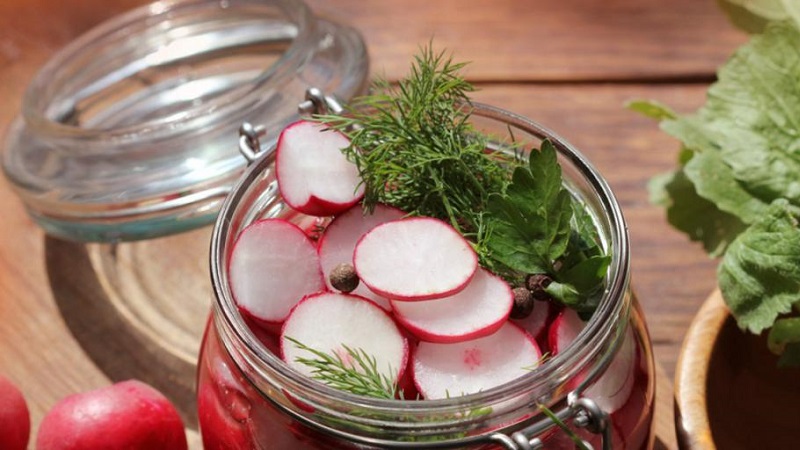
[273, 266]
[478, 310]
[451, 370]
[314, 176]
[328, 322]
[418, 258]
[340, 237]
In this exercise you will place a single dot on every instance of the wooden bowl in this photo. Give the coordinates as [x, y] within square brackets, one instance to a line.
[729, 392]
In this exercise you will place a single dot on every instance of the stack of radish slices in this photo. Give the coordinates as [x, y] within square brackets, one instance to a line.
[407, 291]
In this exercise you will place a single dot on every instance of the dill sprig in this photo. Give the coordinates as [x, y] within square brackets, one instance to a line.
[579, 443]
[415, 148]
[359, 375]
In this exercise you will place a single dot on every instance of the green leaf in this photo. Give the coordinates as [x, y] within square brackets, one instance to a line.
[790, 356]
[699, 218]
[784, 332]
[652, 109]
[753, 16]
[760, 273]
[531, 222]
[714, 181]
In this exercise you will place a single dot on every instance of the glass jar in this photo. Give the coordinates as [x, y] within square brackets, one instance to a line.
[126, 132]
[249, 399]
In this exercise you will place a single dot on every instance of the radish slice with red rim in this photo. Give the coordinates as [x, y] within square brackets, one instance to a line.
[341, 236]
[329, 322]
[451, 370]
[314, 176]
[273, 266]
[478, 310]
[418, 258]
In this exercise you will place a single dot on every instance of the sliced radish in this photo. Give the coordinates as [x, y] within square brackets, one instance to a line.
[564, 329]
[537, 321]
[339, 240]
[314, 176]
[328, 322]
[451, 370]
[478, 310]
[614, 386]
[418, 258]
[273, 266]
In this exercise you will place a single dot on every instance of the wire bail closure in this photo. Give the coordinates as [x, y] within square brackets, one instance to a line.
[586, 414]
[316, 102]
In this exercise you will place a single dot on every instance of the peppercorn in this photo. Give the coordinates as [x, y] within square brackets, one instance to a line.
[537, 283]
[344, 278]
[523, 303]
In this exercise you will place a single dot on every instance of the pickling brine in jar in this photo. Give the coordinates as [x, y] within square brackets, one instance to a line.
[361, 315]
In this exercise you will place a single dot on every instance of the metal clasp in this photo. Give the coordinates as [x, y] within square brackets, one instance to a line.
[584, 412]
[316, 102]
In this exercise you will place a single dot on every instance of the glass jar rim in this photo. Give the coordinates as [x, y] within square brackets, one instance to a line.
[586, 346]
[35, 111]
[129, 132]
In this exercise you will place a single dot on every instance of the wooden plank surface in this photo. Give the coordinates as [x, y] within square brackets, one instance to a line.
[570, 64]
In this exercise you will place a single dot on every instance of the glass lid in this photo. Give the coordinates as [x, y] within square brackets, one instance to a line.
[130, 132]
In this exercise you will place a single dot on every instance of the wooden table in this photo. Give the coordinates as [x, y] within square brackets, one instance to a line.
[571, 64]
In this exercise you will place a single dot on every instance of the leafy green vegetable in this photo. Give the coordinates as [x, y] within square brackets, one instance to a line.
[416, 149]
[760, 273]
[531, 246]
[754, 15]
[737, 187]
[538, 228]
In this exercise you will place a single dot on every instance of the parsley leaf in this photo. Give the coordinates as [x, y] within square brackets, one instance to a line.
[539, 228]
[530, 222]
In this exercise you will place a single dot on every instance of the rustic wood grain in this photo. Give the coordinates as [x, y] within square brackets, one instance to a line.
[540, 40]
[571, 46]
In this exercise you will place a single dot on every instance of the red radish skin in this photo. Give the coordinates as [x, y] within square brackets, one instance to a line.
[15, 419]
[478, 310]
[449, 370]
[314, 176]
[564, 329]
[418, 258]
[272, 267]
[129, 415]
[341, 236]
[329, 321]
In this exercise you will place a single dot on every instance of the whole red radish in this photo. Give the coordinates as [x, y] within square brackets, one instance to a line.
[15, 420]
[128, 415]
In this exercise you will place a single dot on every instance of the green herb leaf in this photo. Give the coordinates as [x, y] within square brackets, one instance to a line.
[531, 222]
[360, 375]
[760, 273]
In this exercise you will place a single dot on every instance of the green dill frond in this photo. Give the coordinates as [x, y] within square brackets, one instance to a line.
[359, 375]
[415, 148]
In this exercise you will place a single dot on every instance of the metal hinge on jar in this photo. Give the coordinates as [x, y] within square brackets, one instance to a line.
[316, 102]
[586, 414]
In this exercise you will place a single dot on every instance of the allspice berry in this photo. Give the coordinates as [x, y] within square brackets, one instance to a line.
[523, 303]
[344, 278]
[537, 284]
